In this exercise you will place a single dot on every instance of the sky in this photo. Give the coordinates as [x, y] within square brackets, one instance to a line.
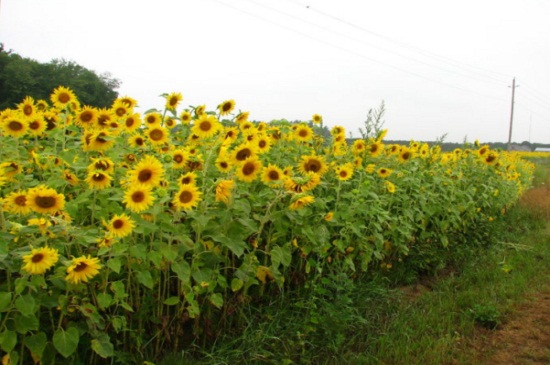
[443, 68]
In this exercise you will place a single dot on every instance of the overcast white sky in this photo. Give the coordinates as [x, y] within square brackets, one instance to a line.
[441, 66]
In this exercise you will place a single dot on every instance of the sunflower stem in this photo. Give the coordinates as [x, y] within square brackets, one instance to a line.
[3, 226]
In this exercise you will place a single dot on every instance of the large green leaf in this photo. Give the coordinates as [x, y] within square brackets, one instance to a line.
[25, 304]
[145, 278]
[36, 343]
[281, 255]
[8, 340]
[66, 341]
[102, 346]
[182, 270]
[5, 299]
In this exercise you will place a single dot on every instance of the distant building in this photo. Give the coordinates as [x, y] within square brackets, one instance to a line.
[519, 147]
[542, 149]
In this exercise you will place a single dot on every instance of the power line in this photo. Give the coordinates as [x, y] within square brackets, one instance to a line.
[355, 53]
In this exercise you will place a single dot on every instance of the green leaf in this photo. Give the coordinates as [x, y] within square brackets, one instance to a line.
[66, 342]
[118, 288]
[182, 270]
[155, 258]
[25, 304]
[104, 300]
[172, 301]
[236, 284]
[168, 252]
[5, 300]
[281, 255]
[145, 278]
[236, 246]
[36, 343]
[114, 264]
[217, 300]
[8, 340]
[24, 324]
[102, 346]
[139, 251]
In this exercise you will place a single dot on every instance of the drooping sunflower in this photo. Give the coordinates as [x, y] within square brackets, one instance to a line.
[187, 197]
[16, 203]
[226, 107]
[40, 260]
[42, 199]
[301, 201]
[82, 269]
[249, 169]
[206, 126]
[98, 180]
[224, 190]
[120, 225]
[138, 198]
[200, 110]
[405, 154]
[132, 123]
[303, 133]
[172, 100]
[301, 184]
[132, 103]
[344, 172]
[62, 97]
[27, 107]
[312, 163]
[101, 140]
[71, 178]
[104, 164]
[157, 135]
[242, 117]
[185, 117]
[87, 117]
[152, 119]
[337, 131]
[37, 125]
[15, 126]
[384, 172]
[317, 119]
[136, 141]
[273, 174]
[149, 171]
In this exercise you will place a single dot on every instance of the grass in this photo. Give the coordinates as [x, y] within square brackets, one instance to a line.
[398, 317]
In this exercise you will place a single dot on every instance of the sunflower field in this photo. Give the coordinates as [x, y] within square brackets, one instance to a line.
[127, 235]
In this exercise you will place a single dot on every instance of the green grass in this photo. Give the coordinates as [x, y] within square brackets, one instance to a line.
[395, 317]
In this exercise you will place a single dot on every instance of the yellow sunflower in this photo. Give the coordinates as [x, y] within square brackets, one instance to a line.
[226, 107]
[37, 125]
[62, 97]
[301, 201]
[82, 269]
[223, 163]
[242, 117]
[149, 171]
[187, 197]
[104, 118]
[384, 172]
[303, 133]
[121, 109]
[41, 105]
[317, 119]
[490, 158]
[15, 126]
[104, 164]
[314, 164]
[390, 187]
[42, 224]
[132, 103]
[87, 117]
[27, 107]
[40, 260]
[71, 178]
[42, 199]
[132, 123]
[172, 100]
[101, 140]
[98, 180]
[179, 158]
[200, 110]
[358, 146]
[263, 143]
[224, 190]
[243, 152]
[120, 225]
[138, 198]
[170, 122]
[405, 154]
[185, 117]
[206, 126]
[189, 178]
[375, 148]
[301, 184]
[152, 119]
[249, 169]
[157, 135]
[137, 141]
[337, 131]
[16, 203]
[273, 175]
[344, 172]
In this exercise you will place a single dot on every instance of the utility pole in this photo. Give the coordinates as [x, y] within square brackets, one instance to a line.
[511, 114]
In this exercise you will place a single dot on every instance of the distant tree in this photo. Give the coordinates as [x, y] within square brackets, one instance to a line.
[374, 123]
[20, 77]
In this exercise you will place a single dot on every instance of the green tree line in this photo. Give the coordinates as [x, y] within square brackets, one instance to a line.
[21, 77]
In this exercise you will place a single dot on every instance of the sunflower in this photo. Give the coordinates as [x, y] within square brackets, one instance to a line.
[200, 110]
[157, 135]
[40, 260]
[132, 103]
[313, 163]
[337, 131]
[82, 269]
[41, 105]
[152, 119]
[226, 107]
[317, 119]
[98, 180]
[384, 172]
[272, 175]
[370, 168]
[243, 151]
[138, 198]
[149, 171]
[136, 141]
[37, 125]
[185, 117]
[358, 146]
[172, 100]
[27, 107]
[390, 187]
[104, 118]
[71, 178]
[52, 120]
[490, 158]
[104, 164]
[263, 143]
[42, 199]
[106, 241]
[246, 126]
[206, 126]
[303, 133]
[16, 202]
[101, 140]
[15, 126]
[132, 123]
[301, 201]
[249, 169]
[375, 148]
[87, 117]
[242, 117]
[120, 108]
[344, 172]
[42, 224]
[405, 154]
[393, 149]
[170, 122]
[187, 197]
[302, 184]
[62, 97]
[189, 178]
[179, 158]
[223, 163]
[329, 216]
[120, 225]
[224, 190]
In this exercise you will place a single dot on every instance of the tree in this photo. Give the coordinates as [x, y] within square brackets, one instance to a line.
[20, 77]
[374, 123]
